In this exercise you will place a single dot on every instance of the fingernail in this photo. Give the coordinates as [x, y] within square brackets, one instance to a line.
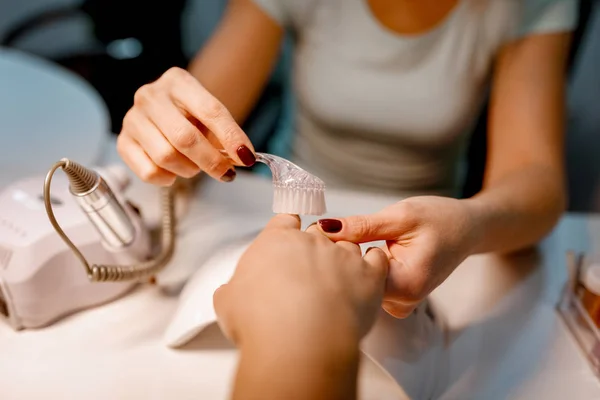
[246, 156]
[369, 249]
[229, 175]
[310, 226]
[330, 225]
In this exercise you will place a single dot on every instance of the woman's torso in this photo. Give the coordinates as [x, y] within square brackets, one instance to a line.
[382, 111]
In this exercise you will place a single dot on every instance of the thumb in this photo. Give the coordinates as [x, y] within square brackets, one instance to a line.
[284, 221]
[362, 228]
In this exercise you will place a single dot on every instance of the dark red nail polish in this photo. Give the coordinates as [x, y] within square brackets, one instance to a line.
[330, 225]
[229, 176]
[246, 156]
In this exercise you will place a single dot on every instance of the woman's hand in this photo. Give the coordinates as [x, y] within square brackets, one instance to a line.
[176, 128]
[297, 306]
[427, 238]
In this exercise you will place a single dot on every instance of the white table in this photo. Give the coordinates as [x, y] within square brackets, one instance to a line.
[507, 340]
[46, 113]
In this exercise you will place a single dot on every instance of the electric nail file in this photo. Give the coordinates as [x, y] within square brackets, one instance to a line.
[42, 280]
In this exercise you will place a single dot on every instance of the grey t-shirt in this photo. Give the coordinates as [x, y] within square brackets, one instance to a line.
[380, 111]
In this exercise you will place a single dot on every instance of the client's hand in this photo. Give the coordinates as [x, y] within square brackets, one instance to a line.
[297, 306]
[294, 283]
[427, 238]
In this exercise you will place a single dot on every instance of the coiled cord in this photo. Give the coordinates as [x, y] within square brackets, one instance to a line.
[117, 273]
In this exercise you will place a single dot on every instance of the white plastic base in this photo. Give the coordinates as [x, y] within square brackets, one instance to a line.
[41, 280]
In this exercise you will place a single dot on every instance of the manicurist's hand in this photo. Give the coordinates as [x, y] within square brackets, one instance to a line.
[297, 306]
[427, 238]
[176, 128]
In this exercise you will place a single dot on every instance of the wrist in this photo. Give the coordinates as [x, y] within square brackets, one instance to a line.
[299, 366]
[331, 343]
[317, 323]
[476, 226]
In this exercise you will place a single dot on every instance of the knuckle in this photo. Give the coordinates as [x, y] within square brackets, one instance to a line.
[165, 156]
[184, 136]
[121, 148]
[230, 133]
[174, 73]
[143, 95]
[124, 150]
[360, 225]
[214, 110]
[215, 164]
[129, 122]
[189, 173]
[149, 174]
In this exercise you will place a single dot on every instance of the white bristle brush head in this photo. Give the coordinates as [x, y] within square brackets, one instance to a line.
[290, 199]
[295, 191]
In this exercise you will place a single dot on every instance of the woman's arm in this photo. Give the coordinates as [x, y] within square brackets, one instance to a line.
[238, 59]
[524, 186]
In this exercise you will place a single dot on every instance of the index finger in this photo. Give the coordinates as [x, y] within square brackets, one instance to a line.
[284, 221]
[203, 106]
